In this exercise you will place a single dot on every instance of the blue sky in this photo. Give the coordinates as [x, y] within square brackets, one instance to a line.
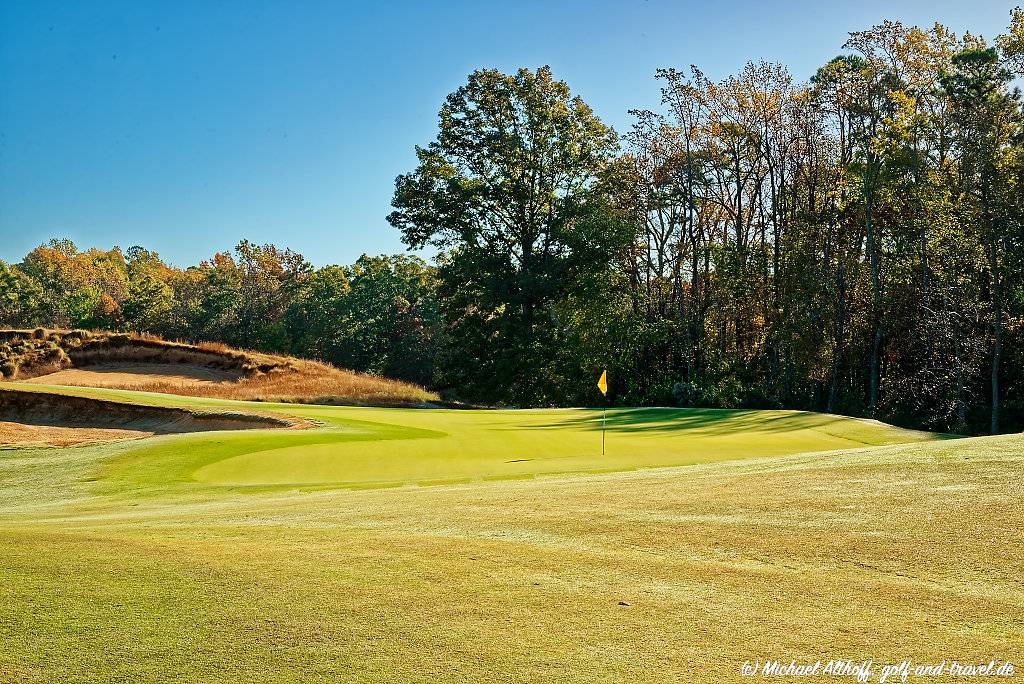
[185, 127]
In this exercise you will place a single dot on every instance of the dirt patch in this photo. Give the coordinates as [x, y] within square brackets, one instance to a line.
[138, 376]
[48, 417]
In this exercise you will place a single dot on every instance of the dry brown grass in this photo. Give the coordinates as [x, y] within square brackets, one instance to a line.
[99, 359]
[307, 382]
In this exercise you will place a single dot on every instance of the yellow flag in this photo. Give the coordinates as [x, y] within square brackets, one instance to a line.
[602, 383]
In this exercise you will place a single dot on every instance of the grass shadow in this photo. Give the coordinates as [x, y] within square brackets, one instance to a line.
[709, 421]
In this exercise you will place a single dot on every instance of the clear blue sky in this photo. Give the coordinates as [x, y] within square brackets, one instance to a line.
[186, 126]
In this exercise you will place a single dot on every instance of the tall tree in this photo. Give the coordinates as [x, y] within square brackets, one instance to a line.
[989, 123]
[504, 191]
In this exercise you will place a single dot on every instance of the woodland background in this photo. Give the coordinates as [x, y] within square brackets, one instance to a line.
[853, 244]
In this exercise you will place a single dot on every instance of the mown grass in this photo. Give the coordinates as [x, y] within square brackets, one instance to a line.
[118, 564]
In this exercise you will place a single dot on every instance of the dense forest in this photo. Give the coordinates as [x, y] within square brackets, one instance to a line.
[852, 244]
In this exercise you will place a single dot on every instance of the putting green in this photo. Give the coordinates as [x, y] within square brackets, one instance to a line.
[360, 447]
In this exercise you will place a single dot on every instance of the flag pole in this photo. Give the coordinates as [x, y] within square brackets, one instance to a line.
[604, 420]
[602, 384]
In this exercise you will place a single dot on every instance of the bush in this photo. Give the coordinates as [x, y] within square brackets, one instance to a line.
[9, 369]
[687, 394]
[726, 393]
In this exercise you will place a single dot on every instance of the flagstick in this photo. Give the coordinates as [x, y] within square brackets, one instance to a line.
[602, 384]
[604, 419]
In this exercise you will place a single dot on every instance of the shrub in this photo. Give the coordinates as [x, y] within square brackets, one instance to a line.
[726, 393]
[9, 369]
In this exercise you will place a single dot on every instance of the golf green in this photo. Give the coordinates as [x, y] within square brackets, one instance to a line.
[367, 447]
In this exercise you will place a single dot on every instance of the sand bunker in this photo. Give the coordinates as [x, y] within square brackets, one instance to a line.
[18, 434]
[60, 420]
[138, 376]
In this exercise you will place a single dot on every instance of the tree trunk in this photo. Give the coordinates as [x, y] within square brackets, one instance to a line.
[997, 325]
[876, 299]
[840, 337]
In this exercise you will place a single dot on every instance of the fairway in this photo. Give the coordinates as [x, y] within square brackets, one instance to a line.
[283, 555]
[298, 555]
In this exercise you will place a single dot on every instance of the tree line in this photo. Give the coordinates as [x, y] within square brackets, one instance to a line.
[377, 315]
[851, 244]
